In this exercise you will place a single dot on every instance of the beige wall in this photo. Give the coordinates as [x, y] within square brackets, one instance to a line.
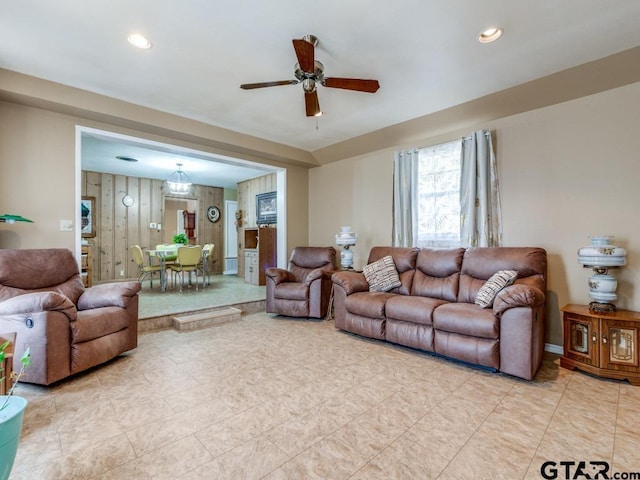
[566, 172]
[38, 172]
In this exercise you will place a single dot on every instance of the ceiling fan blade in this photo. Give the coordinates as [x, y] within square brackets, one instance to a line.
[312, 104]
[369, 86]
[250, 86]
[306, 56]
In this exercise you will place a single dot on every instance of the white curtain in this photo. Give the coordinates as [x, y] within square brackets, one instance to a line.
[480, 214]
[405, 191]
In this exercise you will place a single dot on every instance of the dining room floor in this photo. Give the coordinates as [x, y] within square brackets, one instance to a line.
[222, 290]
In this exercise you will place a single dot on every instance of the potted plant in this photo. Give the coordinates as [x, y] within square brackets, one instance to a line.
[11, 413]
[180, 238]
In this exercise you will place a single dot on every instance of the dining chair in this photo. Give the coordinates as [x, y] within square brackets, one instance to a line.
[188, 260]
[144, 270]
[203, 267]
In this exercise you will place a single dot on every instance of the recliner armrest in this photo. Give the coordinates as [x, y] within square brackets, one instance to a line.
[116, 294]
[518, 295]
[351, 282]
[316, 274]
[279, 275]
[38, 302]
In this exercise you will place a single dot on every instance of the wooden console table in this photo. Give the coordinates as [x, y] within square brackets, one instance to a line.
[605, 344]
[7, 364]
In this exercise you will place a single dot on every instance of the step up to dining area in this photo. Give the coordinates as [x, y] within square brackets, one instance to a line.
[206, 319]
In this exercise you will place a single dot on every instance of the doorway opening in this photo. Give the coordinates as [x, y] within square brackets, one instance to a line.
[157, 161]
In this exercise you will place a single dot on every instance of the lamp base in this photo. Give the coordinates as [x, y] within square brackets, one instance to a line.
[599, 307]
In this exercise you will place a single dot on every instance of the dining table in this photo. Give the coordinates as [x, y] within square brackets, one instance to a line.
[165, 253]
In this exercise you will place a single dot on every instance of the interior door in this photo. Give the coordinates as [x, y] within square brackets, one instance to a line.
[231, 238]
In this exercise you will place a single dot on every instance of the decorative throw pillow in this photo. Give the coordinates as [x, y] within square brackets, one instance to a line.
[490, 289]
[382, 275]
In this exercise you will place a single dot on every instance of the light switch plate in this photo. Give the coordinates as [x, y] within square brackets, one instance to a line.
[66, 225]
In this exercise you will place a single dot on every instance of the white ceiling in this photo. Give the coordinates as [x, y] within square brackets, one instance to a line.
[155, 160]
[423, 52]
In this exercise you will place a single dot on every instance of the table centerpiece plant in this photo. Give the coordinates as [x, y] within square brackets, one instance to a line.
[11, 413]
[180, 238]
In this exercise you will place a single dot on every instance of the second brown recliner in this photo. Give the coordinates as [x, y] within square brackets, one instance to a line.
[304, 289]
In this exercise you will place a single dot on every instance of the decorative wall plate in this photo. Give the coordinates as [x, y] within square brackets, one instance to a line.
[213, 214]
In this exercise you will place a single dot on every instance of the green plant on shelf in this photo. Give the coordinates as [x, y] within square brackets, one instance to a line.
[180, 238]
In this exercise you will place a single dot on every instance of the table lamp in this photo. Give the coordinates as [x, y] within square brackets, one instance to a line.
[346, 239]
[601, 256]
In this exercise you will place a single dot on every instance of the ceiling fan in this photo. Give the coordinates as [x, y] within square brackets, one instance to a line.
[310, 72]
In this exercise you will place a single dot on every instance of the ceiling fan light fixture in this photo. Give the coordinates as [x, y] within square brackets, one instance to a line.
[309, 85]
[490, 35]
[139, 41]
[179, 182]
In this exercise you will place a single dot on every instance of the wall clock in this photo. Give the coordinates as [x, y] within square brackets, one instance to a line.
[127, 201]
[213, 214]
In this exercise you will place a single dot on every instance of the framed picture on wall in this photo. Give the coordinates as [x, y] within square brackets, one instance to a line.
[87, 218]
[266, 208]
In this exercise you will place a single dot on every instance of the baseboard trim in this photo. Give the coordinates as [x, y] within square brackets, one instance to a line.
[550, 347]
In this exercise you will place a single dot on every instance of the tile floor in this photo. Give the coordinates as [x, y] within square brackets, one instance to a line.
[275, 398]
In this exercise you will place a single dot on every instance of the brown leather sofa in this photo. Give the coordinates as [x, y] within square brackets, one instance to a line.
[433, 309]
[304, 289]
[68, 328]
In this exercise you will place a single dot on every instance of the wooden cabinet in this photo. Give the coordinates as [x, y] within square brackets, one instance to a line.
[605, 344]
[86, 262]
[259, 253]
[6, 366]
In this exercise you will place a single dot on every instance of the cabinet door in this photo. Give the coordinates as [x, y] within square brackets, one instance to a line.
[619, 345]
[581, 338]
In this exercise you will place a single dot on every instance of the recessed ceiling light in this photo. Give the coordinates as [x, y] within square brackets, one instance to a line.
[490, 35]
[126, 159]
[139, 41]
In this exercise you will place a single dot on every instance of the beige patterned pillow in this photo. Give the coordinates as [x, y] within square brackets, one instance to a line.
[382, 275]
[490, 289]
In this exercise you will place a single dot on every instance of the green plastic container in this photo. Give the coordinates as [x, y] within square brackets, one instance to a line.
[10, 428]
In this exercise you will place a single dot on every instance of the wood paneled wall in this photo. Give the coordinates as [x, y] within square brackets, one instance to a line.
[247, 192]
[118, 227]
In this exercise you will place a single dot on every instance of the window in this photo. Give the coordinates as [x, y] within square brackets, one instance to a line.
[447, 195]
[438, 195]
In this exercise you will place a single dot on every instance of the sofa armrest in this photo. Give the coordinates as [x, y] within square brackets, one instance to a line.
[351, 282]
[279, 275]
[115, 294]
[518, 295]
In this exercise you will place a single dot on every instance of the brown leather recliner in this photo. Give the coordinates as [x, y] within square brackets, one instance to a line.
[304, 289]
[68, 328]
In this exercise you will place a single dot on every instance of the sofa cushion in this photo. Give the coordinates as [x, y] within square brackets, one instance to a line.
[292, 291]
[438, 273]
[368, 304]
[405, 261]
[480, 263]
[490, 289]
[466, 319]
[382, 275]
[412, 309]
